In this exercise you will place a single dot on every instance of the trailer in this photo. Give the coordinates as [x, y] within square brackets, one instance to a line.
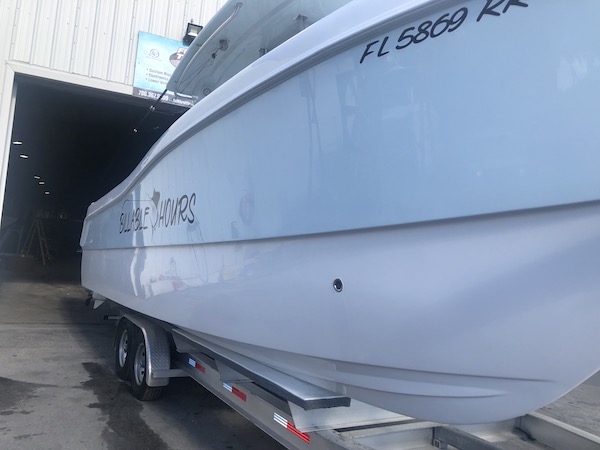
[300, 415]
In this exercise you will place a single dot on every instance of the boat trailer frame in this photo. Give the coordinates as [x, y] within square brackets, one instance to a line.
[300, 415]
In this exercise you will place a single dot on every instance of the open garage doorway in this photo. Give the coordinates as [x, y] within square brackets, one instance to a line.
[70, 145]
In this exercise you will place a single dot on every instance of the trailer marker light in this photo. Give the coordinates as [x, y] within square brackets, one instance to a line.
[197, 365]
[235, 391]
[287, 424]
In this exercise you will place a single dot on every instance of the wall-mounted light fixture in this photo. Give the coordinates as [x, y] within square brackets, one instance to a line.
[191, 32]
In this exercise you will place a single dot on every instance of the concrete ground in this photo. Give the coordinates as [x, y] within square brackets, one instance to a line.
[580, 407]
[58, 389]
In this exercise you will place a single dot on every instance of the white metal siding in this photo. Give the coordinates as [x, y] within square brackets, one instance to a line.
[45, 19]
[94, 38]
[121, 46]
[7, 19]
[63, 33]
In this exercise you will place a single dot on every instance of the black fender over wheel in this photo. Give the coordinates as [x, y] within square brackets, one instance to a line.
[137, 377]
[123, 346]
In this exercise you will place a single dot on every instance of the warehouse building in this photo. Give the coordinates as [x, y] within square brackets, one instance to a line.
[77, 78]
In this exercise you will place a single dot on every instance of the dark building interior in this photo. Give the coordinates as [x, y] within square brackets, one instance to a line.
[70, 146]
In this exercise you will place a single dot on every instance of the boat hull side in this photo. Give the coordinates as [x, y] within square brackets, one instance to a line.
[459, 321]
[379, 136]
[440, 169]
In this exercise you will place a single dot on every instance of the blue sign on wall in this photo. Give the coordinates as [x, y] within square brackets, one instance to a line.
[156, 60]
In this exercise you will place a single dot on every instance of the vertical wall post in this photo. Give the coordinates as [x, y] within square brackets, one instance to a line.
[7, 114]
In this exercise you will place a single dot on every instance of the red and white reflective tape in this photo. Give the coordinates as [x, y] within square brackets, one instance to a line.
[290, 426]
[196, 365]
[235, 391]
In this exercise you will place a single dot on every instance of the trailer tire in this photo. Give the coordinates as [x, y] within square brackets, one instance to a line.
[137, 378]
[123, 347]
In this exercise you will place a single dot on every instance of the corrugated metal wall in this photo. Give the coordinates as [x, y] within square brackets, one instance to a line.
[94, 38]
[90, 42]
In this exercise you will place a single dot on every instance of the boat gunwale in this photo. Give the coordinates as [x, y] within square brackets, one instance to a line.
[447, 221]
[287, 70]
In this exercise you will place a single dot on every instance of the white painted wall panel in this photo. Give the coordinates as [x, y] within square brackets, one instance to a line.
[144, 14]
[43, 38]
[94, 38]
[194, 11]
[158, 17]
[105, 17]
[64, 35]
[207, 10]
[121, 44]
[176, 15]
[25, 19]
[83, 46]
[7, 22]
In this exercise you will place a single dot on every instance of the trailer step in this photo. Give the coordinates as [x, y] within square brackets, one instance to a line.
[305, 395]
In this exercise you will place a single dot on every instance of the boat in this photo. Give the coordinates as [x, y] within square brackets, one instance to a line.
[394, 200]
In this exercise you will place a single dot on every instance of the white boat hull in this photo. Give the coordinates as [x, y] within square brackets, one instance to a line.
[396, 225]
[484, 318]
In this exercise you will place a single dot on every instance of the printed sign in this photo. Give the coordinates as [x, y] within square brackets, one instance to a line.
[156, 60]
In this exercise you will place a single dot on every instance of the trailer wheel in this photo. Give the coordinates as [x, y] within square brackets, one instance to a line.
[139, 387]
[123, 345]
